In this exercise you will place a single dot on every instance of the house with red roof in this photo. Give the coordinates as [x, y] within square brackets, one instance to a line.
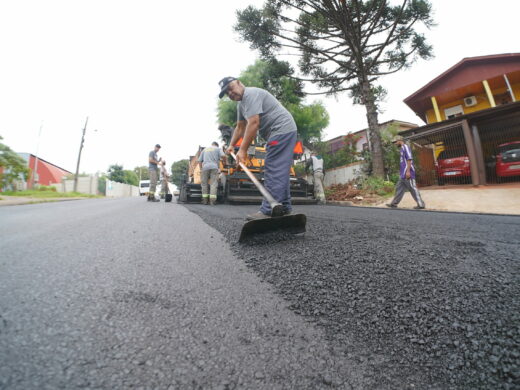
[472, 111]
[47, 173]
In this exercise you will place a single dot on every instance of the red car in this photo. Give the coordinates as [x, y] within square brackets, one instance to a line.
[508, 160]
[453, 164]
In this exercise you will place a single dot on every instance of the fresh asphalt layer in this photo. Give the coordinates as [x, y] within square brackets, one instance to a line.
[121, 294]
[418, 299]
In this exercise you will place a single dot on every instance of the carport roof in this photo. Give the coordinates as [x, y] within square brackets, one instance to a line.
[505, 110]
[468, 71]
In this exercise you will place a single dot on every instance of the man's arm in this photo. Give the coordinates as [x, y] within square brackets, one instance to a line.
[408, 155]
[408, 169]
[154, 161]
[308, 165]
[251, 130]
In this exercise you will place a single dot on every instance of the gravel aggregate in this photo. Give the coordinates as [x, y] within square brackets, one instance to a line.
[426, 300]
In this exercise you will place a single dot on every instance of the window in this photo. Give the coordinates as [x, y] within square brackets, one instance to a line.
[453, 112]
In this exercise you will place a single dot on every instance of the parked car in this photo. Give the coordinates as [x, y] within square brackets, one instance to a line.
[144, 186]
[453, 164]
[508, 160]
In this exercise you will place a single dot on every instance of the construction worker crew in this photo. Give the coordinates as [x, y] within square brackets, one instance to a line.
[209, 167]
[153, 161]
[259, 112]
[407, 176]
[316, 163]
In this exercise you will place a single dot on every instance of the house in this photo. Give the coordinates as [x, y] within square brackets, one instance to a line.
[472, 114]
[360, 137]
[47, 173]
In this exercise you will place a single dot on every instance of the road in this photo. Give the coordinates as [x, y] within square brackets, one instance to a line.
[118, 294]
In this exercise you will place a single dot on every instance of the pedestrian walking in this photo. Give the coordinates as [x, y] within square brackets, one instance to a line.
[209, 168]
[260, 113]
[407, 176]
[315, 163]
[153, 161]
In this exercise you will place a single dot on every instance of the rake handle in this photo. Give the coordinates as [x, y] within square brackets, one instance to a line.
[275, 206]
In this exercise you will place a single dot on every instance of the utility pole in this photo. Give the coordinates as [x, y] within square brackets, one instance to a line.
[79, 157]
[35, 170]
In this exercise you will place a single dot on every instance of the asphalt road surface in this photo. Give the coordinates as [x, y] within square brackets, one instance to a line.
[118, 294]
[419, 299]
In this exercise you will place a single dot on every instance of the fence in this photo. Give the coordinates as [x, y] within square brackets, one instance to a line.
[441, 157]
[120, 190]
[86, 185]
[479, 148]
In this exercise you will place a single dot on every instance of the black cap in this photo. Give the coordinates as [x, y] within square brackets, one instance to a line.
[158, 146]
[224, 83]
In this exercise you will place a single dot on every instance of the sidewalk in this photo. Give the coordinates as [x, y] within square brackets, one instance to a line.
[19, 200]
[491, 199]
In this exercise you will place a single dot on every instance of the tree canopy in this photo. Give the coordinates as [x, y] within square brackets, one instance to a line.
[178, 169]
[14, 166]
[343, 45]
[275, 77]
[118, 174]
[142, 172]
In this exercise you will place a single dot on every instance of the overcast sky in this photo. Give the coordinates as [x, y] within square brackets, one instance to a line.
[146, 72]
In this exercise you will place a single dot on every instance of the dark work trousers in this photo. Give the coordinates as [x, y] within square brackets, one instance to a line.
[278, 162]
[404, 185]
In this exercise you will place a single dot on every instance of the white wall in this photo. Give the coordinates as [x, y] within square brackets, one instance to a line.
[86, 185]
[120, 190]
[342, 175]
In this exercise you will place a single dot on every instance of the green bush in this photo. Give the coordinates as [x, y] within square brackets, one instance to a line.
[47, 188]
[377, 185]
[299, 170]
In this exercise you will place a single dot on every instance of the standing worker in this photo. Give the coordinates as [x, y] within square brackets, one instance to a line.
[259, 112]
[209, 167]
[407, 176]
[165, 178]
[316, 163]
[153, 161]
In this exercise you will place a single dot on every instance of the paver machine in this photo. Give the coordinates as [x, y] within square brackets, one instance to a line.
[234, 185]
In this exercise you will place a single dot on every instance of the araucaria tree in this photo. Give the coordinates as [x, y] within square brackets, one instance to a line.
[343, 45]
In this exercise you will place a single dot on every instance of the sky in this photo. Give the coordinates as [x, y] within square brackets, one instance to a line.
[147, 72]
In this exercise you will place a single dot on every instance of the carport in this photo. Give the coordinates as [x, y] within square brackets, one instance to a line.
[476, 141]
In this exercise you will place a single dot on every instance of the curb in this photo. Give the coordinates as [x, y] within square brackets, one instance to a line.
[20, 202]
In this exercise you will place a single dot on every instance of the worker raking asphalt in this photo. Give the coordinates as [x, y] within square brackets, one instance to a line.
[425, 299]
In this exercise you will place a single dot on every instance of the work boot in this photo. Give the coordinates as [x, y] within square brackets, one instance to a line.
[392, 206]
[257, 215]
[419, 207]
[204, 201]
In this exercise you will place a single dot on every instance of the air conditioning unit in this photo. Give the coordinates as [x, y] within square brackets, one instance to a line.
[470, 101]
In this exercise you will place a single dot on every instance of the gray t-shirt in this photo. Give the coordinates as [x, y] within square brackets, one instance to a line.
[210, 157]
[274, 118]
[152, 154]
